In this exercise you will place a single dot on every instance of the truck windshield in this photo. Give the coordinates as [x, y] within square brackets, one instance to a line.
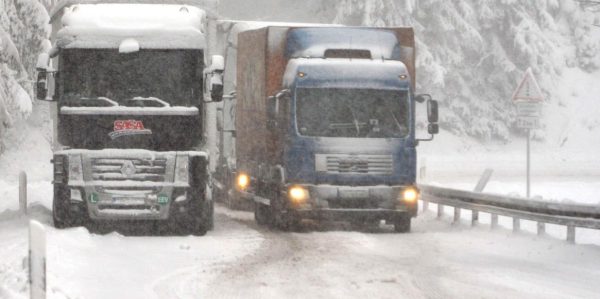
[148, 78]
[358, 113]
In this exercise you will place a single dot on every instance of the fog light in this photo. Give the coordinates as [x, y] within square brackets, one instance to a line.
[298, 194]
[76, 195]
[410, 195]
[243, 180]
[181, 198]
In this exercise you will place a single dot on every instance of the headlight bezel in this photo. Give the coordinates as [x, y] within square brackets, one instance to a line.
[75, 168]
[182, 169]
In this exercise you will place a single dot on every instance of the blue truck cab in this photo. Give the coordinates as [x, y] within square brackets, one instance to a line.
[339, 129]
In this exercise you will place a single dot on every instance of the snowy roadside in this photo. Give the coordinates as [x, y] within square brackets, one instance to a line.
[84, 265]
[241, 259]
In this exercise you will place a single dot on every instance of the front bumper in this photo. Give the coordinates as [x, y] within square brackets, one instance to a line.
[348, 214]
[132, 203]
[353, 203]
[355, 197]
[157, 189]
[347, 202]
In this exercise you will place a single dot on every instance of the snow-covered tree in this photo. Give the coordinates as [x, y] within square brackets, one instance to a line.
[23, 35]
[471, 53]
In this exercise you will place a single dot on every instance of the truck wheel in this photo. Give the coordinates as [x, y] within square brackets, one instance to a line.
[402, 224]
[362, 225]
[262, 214]
[205, 221]
[197, 220]
[210, 223]
[288, 223]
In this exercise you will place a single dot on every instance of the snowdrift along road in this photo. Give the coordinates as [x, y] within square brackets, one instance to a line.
[240, 259]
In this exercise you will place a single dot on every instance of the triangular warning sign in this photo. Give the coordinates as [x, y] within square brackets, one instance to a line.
[528, 90]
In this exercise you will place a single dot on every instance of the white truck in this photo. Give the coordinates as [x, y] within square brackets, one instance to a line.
[130, 83]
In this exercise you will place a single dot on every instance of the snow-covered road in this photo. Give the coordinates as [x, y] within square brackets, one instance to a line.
[241, 259]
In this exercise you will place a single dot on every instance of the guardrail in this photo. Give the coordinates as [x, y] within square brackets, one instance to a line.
[569, 215]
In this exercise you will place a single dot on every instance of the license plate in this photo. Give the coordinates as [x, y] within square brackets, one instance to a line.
[128, 200]
[354, 193]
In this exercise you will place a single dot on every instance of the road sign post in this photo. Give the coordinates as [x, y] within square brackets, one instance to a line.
[528, 98]
[37, 260]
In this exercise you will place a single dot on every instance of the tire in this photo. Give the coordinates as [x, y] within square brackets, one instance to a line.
[61, 208]
[198, 218]
[262, 214]
[364, 225]
[402, 224]
[210, 219]
[203, 223]
[288, 223]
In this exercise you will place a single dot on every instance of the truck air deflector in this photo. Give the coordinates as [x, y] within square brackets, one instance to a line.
[106, 25]
[316, 42]
[368, 74]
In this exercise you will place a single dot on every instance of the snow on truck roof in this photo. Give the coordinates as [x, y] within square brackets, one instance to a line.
[382, 43]
[152, 26]
[349, 73]
[209, 6]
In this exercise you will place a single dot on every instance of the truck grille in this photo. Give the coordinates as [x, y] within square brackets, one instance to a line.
[360, 164]
[129, 169]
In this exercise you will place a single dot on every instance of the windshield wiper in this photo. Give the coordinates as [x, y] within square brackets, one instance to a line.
[355, 121]
[151, 99]
[400, 127]
[101, 99]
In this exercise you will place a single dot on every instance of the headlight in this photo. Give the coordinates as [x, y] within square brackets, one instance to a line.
[298, 194]
[410, 195]
[242, 181]
[182, 171]
[61, 169]
[75, 171]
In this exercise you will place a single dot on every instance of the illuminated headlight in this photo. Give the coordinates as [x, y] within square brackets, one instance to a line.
[410, 194]
[298, 194]
[242, 181]
[75, 168]
[182, 172]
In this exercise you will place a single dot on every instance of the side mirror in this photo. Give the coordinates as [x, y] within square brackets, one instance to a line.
[432, 111]
[432, 115]
[272, 107]
[217, 63]
[42, 86]
[43, 63]
[216, 87]
[433, 129]
[215, 77]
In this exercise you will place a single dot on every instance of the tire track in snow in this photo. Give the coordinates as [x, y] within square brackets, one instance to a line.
[331, 264]
[235, 241]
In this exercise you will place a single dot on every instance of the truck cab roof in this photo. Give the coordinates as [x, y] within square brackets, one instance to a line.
[347, 73]
[154, 26]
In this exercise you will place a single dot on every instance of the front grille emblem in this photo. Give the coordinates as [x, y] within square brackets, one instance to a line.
[128, 169]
